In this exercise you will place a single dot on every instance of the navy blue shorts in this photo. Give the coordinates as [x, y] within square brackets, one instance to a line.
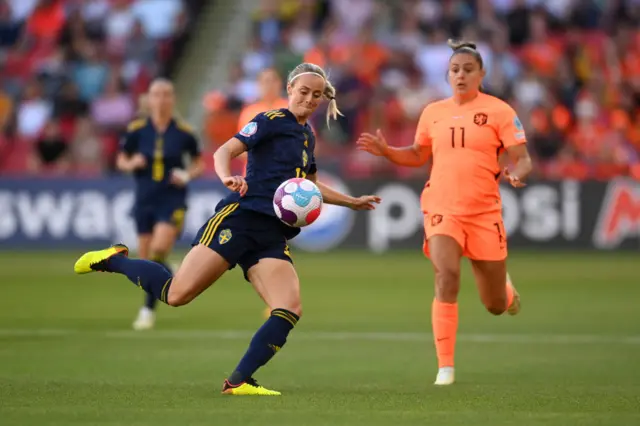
[147, 216]
[243, 237]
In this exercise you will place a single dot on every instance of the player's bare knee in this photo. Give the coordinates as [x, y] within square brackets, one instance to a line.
[177, 297]
[496, 306]
[293, 306]
[175, 300]
[296, 309]
[447, 284]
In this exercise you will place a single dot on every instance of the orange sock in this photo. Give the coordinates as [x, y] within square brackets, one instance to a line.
[444, 320]
[509, 292]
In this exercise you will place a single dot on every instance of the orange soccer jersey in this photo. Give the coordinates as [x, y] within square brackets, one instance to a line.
[462, 198]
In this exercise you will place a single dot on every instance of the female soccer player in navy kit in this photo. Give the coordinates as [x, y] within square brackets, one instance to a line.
[153, 150]
[245, 230]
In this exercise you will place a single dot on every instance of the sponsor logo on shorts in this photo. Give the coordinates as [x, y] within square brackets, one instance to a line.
[436, 219]
[224, 236]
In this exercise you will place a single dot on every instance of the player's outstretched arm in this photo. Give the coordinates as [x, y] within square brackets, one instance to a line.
[331, 196]
[415, 155]
[222, 162]
[518, 155]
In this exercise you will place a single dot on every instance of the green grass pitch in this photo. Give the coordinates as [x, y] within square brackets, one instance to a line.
[361, 355]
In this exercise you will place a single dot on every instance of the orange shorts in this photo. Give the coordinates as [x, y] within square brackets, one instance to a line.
[481, 237]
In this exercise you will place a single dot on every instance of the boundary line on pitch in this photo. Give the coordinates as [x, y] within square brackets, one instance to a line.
[189, 334]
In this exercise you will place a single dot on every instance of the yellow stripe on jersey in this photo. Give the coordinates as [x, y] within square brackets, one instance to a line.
[274, 114]
[158, 160]
[136, 124]
[185, 127]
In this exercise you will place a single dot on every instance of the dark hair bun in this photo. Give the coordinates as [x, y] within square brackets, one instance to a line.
[460, 44]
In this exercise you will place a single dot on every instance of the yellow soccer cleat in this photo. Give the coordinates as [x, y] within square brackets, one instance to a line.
[249, 388]
[96, 260]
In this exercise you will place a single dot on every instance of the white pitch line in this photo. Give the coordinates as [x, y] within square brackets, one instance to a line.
[554, 339]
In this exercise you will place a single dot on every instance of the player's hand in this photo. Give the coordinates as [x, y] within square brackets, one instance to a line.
[179, 177]
[513, 180]
[138, 161]
[236, 184]
[365, 202]
[373, 144]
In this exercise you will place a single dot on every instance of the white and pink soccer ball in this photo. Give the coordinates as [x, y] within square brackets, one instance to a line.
[297, 202]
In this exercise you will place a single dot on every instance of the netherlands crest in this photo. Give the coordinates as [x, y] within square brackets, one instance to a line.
[480, 119]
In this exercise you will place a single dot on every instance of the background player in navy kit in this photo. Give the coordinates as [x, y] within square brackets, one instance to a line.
[244, 229]
[153, 150]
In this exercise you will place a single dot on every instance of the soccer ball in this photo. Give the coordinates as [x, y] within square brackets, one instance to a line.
[297, 202]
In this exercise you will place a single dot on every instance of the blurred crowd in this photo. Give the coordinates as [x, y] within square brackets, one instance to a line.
[71, 72]
[70, 75]
[571, 68]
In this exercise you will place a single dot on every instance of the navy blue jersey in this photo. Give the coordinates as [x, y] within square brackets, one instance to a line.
[279, 148]
[164, 152]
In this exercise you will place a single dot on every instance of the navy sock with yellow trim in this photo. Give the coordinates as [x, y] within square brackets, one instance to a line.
[152, 277]
[268, 340]
[150, 300]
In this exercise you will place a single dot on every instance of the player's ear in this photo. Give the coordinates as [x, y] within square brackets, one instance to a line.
[289, 89]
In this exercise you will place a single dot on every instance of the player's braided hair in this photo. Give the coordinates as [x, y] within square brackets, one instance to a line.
[469, 47]
[329, 91]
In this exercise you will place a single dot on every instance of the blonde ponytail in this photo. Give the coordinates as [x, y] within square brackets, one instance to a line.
[332, 110]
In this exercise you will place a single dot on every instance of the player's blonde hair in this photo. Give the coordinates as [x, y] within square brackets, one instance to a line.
[329, 92]
[468, 47]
